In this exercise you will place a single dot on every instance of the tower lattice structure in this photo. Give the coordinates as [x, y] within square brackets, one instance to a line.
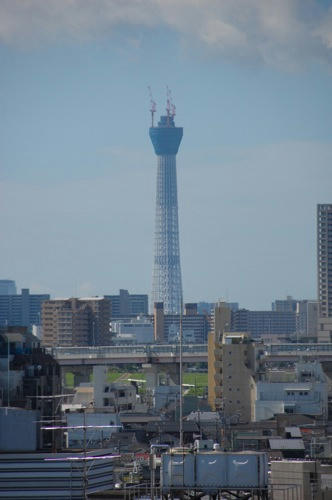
[166, 281]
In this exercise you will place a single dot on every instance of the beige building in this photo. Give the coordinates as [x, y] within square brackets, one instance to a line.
[237, 364]
[231, 363]
[76, 322]
[220, 323]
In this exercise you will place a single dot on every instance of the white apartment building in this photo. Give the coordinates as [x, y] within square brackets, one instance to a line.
[304, 393]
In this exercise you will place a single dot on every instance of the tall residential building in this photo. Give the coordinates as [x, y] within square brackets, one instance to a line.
[167, 326]
[221, 320]
[127, 304]
[167, 281]
[261, 323]
[21, 309]
[76, 322]
[285, 305]
[208, 307]
[306, 319]
[234, 364]
[324, 271]
[7, 287]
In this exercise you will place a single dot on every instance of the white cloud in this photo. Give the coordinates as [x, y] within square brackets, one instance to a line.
[277, 32]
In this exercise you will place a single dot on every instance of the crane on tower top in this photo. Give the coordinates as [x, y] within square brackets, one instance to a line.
[153, 105]
[170, 106]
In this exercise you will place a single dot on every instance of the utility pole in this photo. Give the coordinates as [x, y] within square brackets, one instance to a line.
[8, 371]
[181, 367]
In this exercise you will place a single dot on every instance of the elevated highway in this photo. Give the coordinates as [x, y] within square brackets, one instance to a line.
[140, 354]
[293, 352]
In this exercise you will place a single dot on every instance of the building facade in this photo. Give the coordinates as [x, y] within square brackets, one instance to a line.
[21, 309]
[134, 331]
[8, 287]
[307, 319]
[195, 326]
[234, 363]
[306, 393]
[324, 271]
[127, 304]
[264, 323]
[76, 322]
[285, 305]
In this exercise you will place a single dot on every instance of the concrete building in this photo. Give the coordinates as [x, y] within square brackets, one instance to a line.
[324, 271]
[235, 364]
[126, 304]
[306, 319]
[18, 430]
[208, 307]
[195, 326]
[116, 396]
[305, 391]
[99, 432]
[134, 331]
[21, 310]
[76, 322]
[285, 305]
[261, 323]
[300, 479]
[221, 319]
[7, 287]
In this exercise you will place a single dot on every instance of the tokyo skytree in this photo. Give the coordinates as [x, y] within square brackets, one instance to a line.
[166, 281]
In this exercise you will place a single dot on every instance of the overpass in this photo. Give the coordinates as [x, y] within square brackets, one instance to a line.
[293, 352]
[140, 354]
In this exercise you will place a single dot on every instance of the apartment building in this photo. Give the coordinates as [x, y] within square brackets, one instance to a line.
[76, 322]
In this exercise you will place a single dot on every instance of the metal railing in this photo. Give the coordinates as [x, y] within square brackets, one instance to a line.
[129, 351]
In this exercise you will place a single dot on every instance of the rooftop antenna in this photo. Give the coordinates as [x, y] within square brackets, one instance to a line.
[153, 106]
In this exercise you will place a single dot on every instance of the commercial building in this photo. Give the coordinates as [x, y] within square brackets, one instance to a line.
[306, 315]
[76, 322]
[285, 305]
[134, 331]
[195, 326]
[7, 287]
[324, 271]
[307, 319]
[21, 310]
[208, 307]
[126, 304]
[260, 323]
[303, 391]
[167, 281]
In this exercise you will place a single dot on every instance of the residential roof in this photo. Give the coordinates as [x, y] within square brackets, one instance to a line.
[286, 444]
[295, 432]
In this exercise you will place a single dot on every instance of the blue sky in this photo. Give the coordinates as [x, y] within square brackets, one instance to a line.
[252, 84]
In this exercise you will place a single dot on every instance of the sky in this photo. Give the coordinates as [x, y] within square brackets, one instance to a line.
[252, 84]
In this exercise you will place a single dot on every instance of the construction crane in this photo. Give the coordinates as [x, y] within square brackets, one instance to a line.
[153, 108]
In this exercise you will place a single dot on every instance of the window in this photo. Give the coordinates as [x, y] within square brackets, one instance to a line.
[106, 402]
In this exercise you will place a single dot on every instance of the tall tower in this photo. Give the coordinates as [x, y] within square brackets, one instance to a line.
[166, 282]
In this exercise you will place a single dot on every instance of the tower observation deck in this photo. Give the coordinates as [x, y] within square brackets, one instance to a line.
[166, 281]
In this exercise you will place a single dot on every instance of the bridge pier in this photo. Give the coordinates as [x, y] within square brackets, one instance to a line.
[161, 374]
[81, 374]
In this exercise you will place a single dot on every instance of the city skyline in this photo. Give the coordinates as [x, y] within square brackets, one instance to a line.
[77, 174]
